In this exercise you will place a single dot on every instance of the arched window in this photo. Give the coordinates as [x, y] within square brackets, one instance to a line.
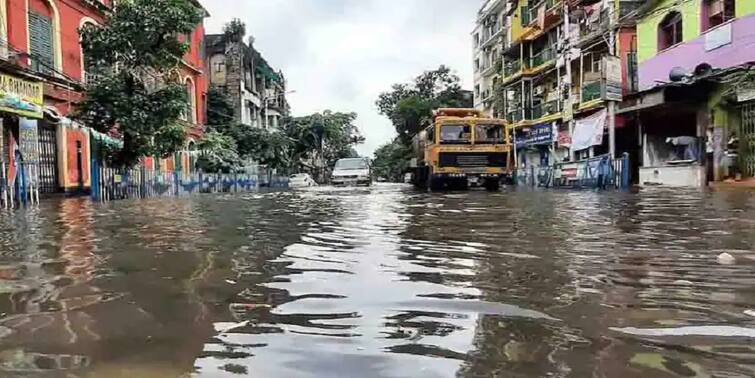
[88, 67]
[717, 12]
[191, 114]
[670, 30]
[44, 36]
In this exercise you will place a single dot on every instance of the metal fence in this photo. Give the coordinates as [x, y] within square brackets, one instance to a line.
[110, 184]
[600, 172]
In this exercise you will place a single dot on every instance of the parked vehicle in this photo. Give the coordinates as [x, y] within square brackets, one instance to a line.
[301, 180]
[462, 148]
[356, 171]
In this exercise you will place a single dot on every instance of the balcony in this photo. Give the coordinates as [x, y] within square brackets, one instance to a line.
[541, 58]
[515, 116]
[550, 10]
[512, 67]
[591, 91]
[595, 26]
[489, 36]
[544, 109]
[492, 68]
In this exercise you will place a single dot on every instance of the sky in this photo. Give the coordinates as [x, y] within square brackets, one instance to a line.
[341, 54]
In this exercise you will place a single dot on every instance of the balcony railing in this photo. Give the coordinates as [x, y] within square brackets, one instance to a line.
[590, 91]
[544, 56]
[525, 15]
[534, 10]
[595, 26]
[512, 67]
[544, 108]
[515, 115]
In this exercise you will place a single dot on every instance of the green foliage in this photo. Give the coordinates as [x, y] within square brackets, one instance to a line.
[138, 94]
[235, 30]
[219, 109]
[219, 153]
[326, 136]
[410, 106]
[392, 160]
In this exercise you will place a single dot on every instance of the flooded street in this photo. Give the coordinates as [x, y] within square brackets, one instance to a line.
[381, 282]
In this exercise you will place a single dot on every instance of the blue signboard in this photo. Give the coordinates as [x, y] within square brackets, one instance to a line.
[536, 135]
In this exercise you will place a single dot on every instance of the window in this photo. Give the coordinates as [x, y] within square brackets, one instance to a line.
[41, 43]
[488, 134]
[717, 12]
[670, 31]
[455, 134]
[190, 114]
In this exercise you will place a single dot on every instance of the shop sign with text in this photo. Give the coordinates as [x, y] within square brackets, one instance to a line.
[22, 97]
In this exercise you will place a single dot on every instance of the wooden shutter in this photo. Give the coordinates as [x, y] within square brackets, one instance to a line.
[40, 36]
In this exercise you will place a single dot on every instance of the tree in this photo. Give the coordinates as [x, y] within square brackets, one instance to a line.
[220, 111]
[219, 153]
[139, 95]
[392, 160]
[410, 106]
[326, 136]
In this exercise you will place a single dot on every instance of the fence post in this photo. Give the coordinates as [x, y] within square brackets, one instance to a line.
[625, 179]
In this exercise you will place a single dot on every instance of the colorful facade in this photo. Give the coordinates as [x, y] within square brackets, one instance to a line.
[694, 63]
[41, 50]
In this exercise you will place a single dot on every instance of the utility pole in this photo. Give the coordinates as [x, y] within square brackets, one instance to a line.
[568, 81]
[611, 103]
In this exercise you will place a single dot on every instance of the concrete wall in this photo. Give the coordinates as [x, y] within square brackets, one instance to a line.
[677, 176]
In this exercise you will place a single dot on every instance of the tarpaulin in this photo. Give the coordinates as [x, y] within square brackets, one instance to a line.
[588, 131]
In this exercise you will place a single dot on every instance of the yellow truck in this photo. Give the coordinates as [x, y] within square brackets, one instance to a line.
[460, 149]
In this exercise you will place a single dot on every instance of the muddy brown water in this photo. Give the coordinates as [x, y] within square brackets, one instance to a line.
[381, 282]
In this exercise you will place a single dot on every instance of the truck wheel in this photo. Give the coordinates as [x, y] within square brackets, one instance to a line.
[493, 185]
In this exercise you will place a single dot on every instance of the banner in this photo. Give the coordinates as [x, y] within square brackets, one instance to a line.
[28, 140]
[21, 96]
[588, 131]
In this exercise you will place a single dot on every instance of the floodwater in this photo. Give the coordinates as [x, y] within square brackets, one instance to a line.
[381, 282]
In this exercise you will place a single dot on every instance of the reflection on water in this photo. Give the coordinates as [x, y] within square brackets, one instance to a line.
[383, 282]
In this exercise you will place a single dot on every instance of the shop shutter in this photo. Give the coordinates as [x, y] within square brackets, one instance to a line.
[40, 36]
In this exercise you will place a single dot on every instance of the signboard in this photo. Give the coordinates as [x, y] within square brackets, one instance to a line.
[538, 134]
[745, 94]
[28, 140]
[611, 90]
[718, 37]
[564, 138]
[21, 96]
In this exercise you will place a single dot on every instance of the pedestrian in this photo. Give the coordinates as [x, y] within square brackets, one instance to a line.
[604, 170]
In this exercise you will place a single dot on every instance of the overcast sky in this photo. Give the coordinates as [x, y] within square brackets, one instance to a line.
[341, 54]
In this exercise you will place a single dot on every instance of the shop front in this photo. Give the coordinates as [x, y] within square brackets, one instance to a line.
[21, 103]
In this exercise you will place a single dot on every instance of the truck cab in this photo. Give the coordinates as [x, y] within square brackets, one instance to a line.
[460, 149]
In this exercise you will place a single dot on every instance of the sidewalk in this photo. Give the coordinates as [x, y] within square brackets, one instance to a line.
[747, 184]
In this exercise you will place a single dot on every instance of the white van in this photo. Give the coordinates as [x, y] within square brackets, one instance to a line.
[356, 171]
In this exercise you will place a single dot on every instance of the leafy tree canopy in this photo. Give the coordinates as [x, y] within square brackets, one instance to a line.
[410, 105]
[392, 160]
[138, 93]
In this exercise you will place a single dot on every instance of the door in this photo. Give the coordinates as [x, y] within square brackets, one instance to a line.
[48, 158]
[747, 140]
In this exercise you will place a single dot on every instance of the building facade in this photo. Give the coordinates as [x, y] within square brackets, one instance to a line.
[43, 76]
[696, 103]
[256, 91]
[488, 41]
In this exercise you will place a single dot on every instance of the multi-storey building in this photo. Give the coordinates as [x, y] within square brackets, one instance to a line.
[696, 107]
[43, 76]
[552, 80]
[257, 91]
[488, 37]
